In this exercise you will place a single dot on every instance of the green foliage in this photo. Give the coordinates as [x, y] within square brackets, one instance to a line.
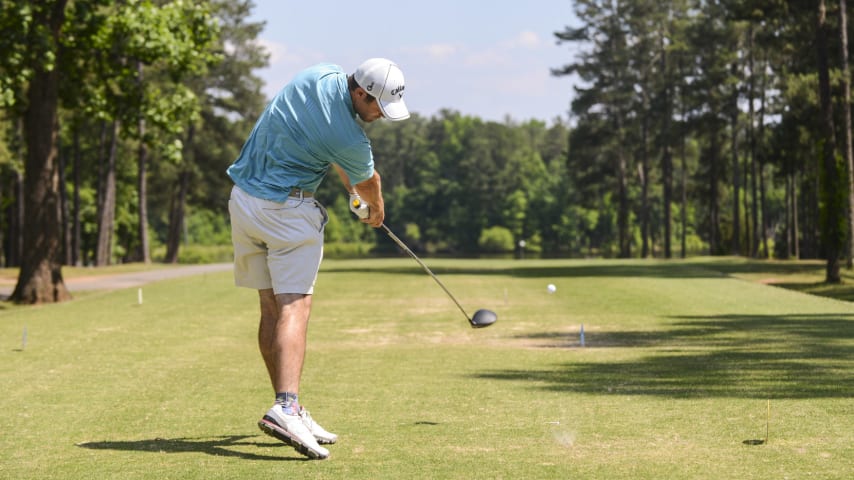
[196, 254]
[343, 227]
[412, 232]
[834, 199]
[514, 213]
[333, 231]
[654, 82]
[496, 240]
[7, 158]
[173, 41]
[206, 227]
[710, 97]
[20, 43]
[347, 249]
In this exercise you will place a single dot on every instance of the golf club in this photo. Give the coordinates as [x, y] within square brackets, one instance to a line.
[481, 318]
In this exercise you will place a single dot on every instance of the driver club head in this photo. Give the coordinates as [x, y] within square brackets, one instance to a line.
[483, 318]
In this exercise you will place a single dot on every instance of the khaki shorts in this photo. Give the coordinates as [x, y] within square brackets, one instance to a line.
[276, 245]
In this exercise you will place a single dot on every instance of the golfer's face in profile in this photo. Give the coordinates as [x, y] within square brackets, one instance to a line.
[367, 107]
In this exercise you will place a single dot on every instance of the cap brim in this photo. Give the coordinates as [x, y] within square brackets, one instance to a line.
[395, 111]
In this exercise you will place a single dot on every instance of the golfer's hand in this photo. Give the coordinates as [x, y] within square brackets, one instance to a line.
[359, 207]
[372, 216]
[376, 217]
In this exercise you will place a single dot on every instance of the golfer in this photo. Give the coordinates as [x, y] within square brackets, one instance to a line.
[277, 225]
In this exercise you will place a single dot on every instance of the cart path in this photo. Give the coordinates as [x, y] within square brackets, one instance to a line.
[126, 280]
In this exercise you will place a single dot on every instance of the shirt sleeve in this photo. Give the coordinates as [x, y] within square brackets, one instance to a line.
[357, 162]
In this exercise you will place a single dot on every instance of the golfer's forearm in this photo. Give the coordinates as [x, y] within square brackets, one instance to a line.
[371, 192]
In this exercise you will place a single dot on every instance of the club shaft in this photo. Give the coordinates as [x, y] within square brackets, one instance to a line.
[402, 245]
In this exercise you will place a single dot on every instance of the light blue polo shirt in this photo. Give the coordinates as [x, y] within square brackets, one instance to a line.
[309, 124]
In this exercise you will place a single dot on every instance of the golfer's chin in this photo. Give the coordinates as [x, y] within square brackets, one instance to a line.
[369, 119]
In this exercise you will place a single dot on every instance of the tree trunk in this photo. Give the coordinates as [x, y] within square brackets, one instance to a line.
[14, 241]
[789, 217]
[644, 174]
[176, 218]
[63, 205]
[623, 207]
[179, 201]
[76, 235]
[761, 152]
[4, 223]
[795, 227]
[683, 180]
[15, 211]
[40, 276]
[849, 150]
[143, 254]
[621, 169]
[832, 214]
[107, 210]
[666, 154]
[667, 171]
[683, 214]
[715, 247]
[736, 177]
[751, 132]
[748, 207]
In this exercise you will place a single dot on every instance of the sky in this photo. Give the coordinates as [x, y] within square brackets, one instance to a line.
[489, 59]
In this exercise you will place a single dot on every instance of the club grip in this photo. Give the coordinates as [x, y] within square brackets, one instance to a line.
[361, 211]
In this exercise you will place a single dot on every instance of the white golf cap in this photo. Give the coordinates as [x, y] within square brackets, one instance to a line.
[383, 79]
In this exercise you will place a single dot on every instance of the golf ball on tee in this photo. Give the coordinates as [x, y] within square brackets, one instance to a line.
[551, 288]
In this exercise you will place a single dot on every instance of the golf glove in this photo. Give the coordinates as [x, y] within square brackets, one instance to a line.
[358, 207]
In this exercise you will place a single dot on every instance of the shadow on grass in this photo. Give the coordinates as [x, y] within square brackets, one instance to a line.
[216, 446]
[737, 266]
[596, 268]
[749, 356]
[844, 292]
[776, 271]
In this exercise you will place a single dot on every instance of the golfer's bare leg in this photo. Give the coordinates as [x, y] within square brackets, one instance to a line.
[282, 337]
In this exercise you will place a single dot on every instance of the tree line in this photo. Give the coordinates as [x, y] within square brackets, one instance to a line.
[696, 127]
[113, 113]
[727, 121]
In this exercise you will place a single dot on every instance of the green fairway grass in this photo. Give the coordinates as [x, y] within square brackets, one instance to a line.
[680, 363]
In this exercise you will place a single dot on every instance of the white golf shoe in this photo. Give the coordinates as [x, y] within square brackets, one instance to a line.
[320, 434]
[292, 430]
